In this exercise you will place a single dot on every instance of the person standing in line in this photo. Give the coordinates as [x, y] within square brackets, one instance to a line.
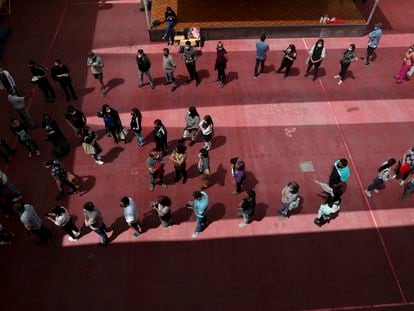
[155, 166]
[192, 123]
[199, 205]
[374, 39]
[327, 211]
[113, 125]
[261, 50]
[190, 58]
[5, 150]
[289, 56]
[18, 103]
[90, 145]
[203, 167]
[339, 175]
[144, 66]
[60, 175]
[384, 174]
[348, 57]
[162, 206]
[408, 61]
[96, 64]
[170, 20]
[238, 171]
[76, 119]
[131, 215]
[221, 63]
[5, 236]
[316, 55]
[247, 208]
[6, 81]
[94, 221]
[206, 127]
[136, 127]
[169, 65]
[61, 218]
[39, 77]
[60, 73]
[6, 183]
[408, 189]
[32, 222]
[160, 135]
[179, 157]
[54, 135]
[23, 136]
[290, 199]
[405, 167]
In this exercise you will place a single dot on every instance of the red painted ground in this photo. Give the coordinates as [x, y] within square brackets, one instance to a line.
[362, 259]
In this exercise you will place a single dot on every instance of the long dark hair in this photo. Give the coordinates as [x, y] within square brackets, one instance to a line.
[292, 47]
[164, 200]
[193, 111]
[136, 112]
[208, 120]
[320, 41]
[389, 163]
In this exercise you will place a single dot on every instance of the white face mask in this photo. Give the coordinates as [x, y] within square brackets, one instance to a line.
[139, 55]
[319, 45]
[288, 50]
[349, 49]
[187, 47]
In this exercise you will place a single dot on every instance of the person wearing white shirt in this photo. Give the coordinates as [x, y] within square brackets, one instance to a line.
[18, 103]
[61, 218]
[131, 215]
[207, 131]
[32, 222]
[96, 64]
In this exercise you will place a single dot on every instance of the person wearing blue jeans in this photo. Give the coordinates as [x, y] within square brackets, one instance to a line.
[261, 50]
[199, 206]
[169, 65]
[136, 119]
[94, 221]
[170, 19]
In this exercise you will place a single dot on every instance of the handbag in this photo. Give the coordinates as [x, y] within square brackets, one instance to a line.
[88, 149]
[123, 133]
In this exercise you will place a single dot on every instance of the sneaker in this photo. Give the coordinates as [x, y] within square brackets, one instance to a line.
[17, 198]
[72, 239]
[100, 162]
[281, 217]
[340, 82]
[242, 225]
[152, 86]
[195, 234]
[135, 235]
[306, 74]
[29, 154]
[393, 176]
[368, 193]
[197, 83]
[337, 77]
[376, 190]
[173, 89]
[402, 183]
[37, 152]
[151, 187]
[163, 185]
[76, 233]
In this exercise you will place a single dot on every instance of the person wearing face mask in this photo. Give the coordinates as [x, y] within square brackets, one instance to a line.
[374, 39]
[289, 56]
[96, 64]
[144, 66]
[60, 73]
[408, 61]
[155, 166]
[348, 57]
[170, 20]
[112, 121]
[159, 133]
[39, 77]
[136, 127]
[316, 56]
[290, 199]
[76, 119]
[221, 62]
[190, 57]
[169, 65]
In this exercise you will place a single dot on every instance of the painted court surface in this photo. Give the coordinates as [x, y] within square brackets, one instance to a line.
[361, 260]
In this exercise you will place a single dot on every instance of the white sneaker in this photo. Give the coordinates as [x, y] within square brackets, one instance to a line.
[376, 190]
[336, 77]
[339, 82]
[100, 162]
[72, 239]
[195, 234]
[29, 154]
[402, 183]
[76, 233]
[242, 225]
[38, 153]
[368, 193]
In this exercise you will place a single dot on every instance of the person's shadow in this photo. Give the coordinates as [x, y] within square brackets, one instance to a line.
[150, 221]
[250, 181]
[112, 154]
[218, 177]
[113, 83]
[218, 141]
[181, 215]
[349, 75]
[117, 227]
[260, 211]
[231, 75]
[215, 213]
[86, 184]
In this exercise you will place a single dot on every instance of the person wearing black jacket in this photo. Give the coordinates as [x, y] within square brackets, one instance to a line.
[221, 63]
[170, 20]
[136, 119]
[316, 56]
[39, 78]
[247, 207]
[23, 136]
[55, 136]
[113, 124]
[60, 73]
[159, 133]
[144, 66]
[287, 60]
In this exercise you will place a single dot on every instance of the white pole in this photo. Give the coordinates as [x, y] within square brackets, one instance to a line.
[372, 11]
[147, 14]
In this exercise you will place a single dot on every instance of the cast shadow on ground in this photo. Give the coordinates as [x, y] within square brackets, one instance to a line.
[350, 75]
[112, 154]
[113, 83]
[231, 76]
[84, 92]
[260, 211]
[150, 221]
[118, 227]
[86, 183]
[250, 181]
[203, 74]
[218, 141]
[218, 177]
[215, 213]
[181, 215]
